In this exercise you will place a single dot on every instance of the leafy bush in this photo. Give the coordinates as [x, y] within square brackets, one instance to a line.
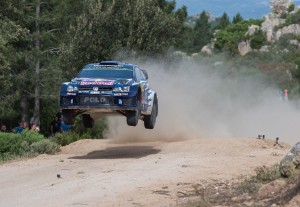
[228, 39]
[66, 138]
[27, 143]
[31, 136]
[291, 7]
[267, 173]
[45, 146]
[79, 132]
[293, 19]
[258, 39]
[263, 174]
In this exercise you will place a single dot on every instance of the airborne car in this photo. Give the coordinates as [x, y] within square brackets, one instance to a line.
[109, 88]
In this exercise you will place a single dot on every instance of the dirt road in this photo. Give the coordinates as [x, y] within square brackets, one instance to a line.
[108, 173]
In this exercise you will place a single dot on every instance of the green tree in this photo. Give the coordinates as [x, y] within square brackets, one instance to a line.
[223, 21]
[202, 32]
[237, 18]
[105, 28]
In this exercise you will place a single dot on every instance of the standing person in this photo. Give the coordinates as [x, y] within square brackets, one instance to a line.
[286, 95]
[55, 126]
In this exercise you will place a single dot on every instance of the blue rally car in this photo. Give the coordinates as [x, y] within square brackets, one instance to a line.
[109, 88]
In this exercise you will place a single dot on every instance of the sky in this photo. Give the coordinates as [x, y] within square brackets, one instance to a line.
[255, 9]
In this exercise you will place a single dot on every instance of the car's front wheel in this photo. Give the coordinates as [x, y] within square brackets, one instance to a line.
[87, 120]
[133, 116]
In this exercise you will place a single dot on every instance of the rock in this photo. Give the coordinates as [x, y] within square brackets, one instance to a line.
[252, 29]
[194, 55]
[180, 54]
[290, 162]
[295, 42]
[291, 29]
[218, 63]
[264, 48]
[206, 50]
[280, 7]
[244, 47]
[269, 24]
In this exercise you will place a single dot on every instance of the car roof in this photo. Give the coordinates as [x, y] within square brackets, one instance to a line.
[111, 64]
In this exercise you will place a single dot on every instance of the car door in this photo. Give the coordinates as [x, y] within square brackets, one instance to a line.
[140, 77]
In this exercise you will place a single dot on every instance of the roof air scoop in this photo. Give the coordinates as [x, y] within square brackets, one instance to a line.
[110, 63]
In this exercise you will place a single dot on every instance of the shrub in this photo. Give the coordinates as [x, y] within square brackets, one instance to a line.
[31, 136]
[45, 146]
[258, 39]
[267, 173]
[66, 138]
[263, 174]
[228, 39]
[291, 7]
[293, 19]
[27, 143]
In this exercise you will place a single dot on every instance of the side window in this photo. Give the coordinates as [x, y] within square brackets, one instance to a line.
[138, 74]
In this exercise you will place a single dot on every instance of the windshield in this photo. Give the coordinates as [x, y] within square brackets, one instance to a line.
[106, 72]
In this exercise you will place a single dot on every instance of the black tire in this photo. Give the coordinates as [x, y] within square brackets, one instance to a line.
[68, 117]
[149, 120]
[87, 120]
[133, 116]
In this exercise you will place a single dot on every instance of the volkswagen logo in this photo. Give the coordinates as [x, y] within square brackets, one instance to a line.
[95, 88]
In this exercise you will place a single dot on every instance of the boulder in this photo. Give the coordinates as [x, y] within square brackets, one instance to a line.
[290, 162]
[291, 29]
[269, 24]
[264, 48]
[206, 50]
[244, 47]
[280, 7]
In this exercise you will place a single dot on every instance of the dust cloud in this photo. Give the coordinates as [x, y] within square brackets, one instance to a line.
[201, 100]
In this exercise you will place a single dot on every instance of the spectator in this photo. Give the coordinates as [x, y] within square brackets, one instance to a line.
[286, 95]
[24, 125]
[55, 126]
[19, 128]
[33, 121]
[35, 128]
[64, 127]
[3, 128]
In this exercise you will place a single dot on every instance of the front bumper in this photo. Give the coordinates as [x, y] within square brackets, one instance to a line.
[101, 103]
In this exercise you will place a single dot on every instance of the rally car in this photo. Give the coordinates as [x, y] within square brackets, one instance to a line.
[109, 88]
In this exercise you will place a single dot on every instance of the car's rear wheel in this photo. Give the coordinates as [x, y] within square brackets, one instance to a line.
[87, 120]
[133, 116]
[149, 120]
[68, 117]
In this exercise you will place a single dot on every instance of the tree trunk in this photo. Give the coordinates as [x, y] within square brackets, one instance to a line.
[24, 106]
[36, 113]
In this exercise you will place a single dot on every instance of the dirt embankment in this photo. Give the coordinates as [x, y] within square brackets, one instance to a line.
[111, 173]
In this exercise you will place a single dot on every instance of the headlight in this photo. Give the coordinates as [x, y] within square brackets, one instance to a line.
[72, 88]
[122, 89]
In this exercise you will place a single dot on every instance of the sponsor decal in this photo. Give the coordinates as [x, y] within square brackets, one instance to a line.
[95, 92]
[71, 94]
[103, 83]
[121, 94]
